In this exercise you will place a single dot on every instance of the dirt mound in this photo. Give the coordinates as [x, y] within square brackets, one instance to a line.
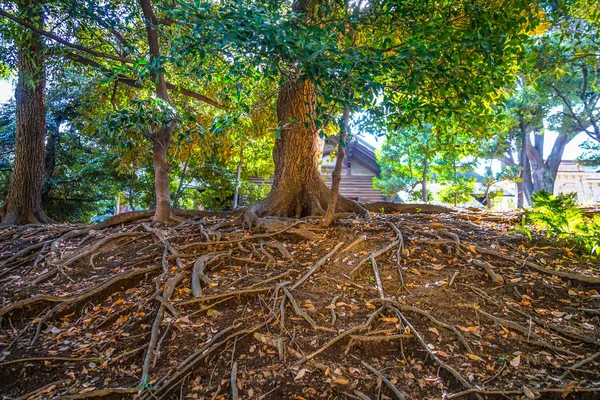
[403, 306]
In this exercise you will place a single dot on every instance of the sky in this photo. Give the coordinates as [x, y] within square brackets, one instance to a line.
[6, 91]
[572, 151]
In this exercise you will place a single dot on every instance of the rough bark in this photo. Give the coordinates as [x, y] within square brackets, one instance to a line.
[238, 177]
[161, 137]
[298, 189]
[543, 172]
[52, 141]
[424, 195]
[23, 203]
[336, 176]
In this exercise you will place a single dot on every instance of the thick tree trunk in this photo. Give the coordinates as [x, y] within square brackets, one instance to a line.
[336, 176]
[162, 137]
[298, 189]
[543, 172]
[23, 203]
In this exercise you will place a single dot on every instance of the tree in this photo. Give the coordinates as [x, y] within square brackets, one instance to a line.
[23, 203]
[404, 54]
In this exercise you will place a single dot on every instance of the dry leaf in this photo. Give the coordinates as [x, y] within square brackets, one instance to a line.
[516, 361]
[301, 374]
[474, 357]
[434, 331]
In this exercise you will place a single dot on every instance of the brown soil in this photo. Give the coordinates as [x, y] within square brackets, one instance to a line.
[95, 315]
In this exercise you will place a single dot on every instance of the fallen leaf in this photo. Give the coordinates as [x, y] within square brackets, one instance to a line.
[515, 362]
[474, 357]
[301, 374]
[434, 331]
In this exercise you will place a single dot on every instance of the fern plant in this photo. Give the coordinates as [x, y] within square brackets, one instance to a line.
[561, 216]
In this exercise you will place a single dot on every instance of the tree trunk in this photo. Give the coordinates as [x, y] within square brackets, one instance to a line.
[162, 137]
[23, 203]
[424, 182]
[298, 190]
[543, 172]
[336, 176]
[180, 186]
[238, 178]
[52, 141]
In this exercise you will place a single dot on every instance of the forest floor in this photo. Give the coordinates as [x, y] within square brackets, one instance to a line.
[400, 306]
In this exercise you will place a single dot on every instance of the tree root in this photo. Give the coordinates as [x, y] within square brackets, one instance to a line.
[525, 332]
[303, 314]
[442, 364]
[494, 277]
[427, 315]
[580, 364]
[385, 380]
[242, 239]
[317, 265]
[563, 391]
[568, 275]
[339, 337]
[387, 207]
[198, 271]
[73, 301]
[374, 255]
[101, 393]
[44, 359]
[167, 293]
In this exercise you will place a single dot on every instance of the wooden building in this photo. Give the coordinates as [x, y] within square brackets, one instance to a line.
[359, 168]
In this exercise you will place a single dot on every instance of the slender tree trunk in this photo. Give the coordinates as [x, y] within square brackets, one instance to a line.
[52, 141]
[238, 178]
[424, 182]
[336, 176]
[162, 137]
[23, 203]
[180, 186]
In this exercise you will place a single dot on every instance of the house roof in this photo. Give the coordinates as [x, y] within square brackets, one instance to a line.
[357, 150]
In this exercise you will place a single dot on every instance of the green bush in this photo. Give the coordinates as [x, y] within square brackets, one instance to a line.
[560, 216]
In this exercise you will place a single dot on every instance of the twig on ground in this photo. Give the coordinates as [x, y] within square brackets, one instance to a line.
[234, 388]
[377, 278]
[385, 380]
[580, 364]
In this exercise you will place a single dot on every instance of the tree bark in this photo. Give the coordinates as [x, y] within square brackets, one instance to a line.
[180, 186]
[161, 137]
[424, 182]
[543, 172]
[336, 176]
[238, 178]
[52, 141]
[23, 203]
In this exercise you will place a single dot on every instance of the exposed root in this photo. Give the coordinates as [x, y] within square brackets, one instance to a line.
[374, 255]
[385, 380]
[317, 265]
[386, 207]
[494, 277]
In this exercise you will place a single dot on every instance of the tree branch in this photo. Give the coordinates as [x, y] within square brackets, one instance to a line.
[63, 41]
